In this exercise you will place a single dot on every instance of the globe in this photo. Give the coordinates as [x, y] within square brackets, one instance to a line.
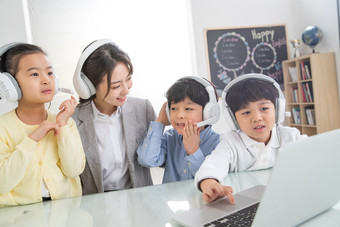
[312, 36]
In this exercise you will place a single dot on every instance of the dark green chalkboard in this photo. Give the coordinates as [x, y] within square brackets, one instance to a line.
[235, 51]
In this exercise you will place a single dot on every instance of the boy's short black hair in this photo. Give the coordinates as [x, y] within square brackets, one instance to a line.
[187, 87]
[250, 90]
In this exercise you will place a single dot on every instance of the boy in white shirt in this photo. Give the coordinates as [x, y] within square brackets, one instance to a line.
[254, 107]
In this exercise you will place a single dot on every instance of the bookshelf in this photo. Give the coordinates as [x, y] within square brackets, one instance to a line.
[313, 96]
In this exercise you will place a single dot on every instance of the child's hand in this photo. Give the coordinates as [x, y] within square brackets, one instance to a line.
[67, 109]
[162, 117]
[191, 137]
[213, 190]
[40, 132]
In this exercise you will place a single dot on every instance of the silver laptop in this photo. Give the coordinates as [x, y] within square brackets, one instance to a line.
[304, 182]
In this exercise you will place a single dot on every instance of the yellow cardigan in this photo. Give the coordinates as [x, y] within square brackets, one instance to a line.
[24, 162]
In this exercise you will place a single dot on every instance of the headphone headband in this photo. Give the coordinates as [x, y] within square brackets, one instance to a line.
[5, 48]
[81, 83]
[90, 49]
[8, 46]
[210, 89]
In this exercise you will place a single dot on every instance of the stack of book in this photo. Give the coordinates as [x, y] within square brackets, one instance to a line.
[293, 74]
[305, 71]
[307, 91]
[295, 95]
[296, 115]
[310, 115]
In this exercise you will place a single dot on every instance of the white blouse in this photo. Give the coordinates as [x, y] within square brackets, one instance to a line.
[111, 145]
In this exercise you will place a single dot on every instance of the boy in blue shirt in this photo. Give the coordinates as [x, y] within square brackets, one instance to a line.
[183, 148]
[254, 106]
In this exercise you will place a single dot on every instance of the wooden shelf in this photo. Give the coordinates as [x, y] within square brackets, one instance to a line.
[323, 90]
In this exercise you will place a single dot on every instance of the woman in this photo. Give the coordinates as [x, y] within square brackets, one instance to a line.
[110, 124]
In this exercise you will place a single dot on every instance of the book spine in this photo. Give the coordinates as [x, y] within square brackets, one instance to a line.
[307, 69]
[303, 73]
[296, 115]
[303, 93]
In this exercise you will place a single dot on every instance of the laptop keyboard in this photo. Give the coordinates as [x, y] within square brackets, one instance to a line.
[242, 217]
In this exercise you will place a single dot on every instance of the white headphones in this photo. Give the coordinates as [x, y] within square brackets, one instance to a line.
[81, 83]
[280, 104]
[211, 111]
[9, 87]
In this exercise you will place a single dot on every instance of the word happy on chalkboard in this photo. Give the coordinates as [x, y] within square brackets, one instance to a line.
[237, 51]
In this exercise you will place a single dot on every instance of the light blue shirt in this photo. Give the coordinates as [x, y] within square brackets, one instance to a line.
[158, 149]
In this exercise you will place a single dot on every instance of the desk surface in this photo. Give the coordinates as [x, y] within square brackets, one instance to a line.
[147, 206]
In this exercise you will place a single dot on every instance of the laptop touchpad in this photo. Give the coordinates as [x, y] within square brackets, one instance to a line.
[240, 202]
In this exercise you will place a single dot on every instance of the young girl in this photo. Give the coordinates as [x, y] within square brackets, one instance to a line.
[110, 123]
[255, 107]
[41, 155]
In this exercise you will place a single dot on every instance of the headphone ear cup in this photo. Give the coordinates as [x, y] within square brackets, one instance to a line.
[83, 85]
[280, 109]
[212, 111]
[167, 111]
[9, 87]
[230, 119]
[89, 84]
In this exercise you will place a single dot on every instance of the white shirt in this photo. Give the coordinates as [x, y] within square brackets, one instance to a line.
[265, 155]
[112, 150]
[238, 152]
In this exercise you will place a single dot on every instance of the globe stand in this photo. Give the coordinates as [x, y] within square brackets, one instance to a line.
[313, 50]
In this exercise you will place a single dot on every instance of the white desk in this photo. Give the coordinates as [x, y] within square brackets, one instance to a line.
[147, 206]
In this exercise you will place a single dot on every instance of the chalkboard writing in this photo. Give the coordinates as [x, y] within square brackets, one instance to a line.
[237, 51]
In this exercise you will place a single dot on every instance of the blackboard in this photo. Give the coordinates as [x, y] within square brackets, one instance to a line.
[236, 51]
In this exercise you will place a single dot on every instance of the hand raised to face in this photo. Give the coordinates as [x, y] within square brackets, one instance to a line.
[66, 110]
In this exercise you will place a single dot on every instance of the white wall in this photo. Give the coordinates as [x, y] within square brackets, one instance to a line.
[154, 33]
[322, 13]
[13, 17]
